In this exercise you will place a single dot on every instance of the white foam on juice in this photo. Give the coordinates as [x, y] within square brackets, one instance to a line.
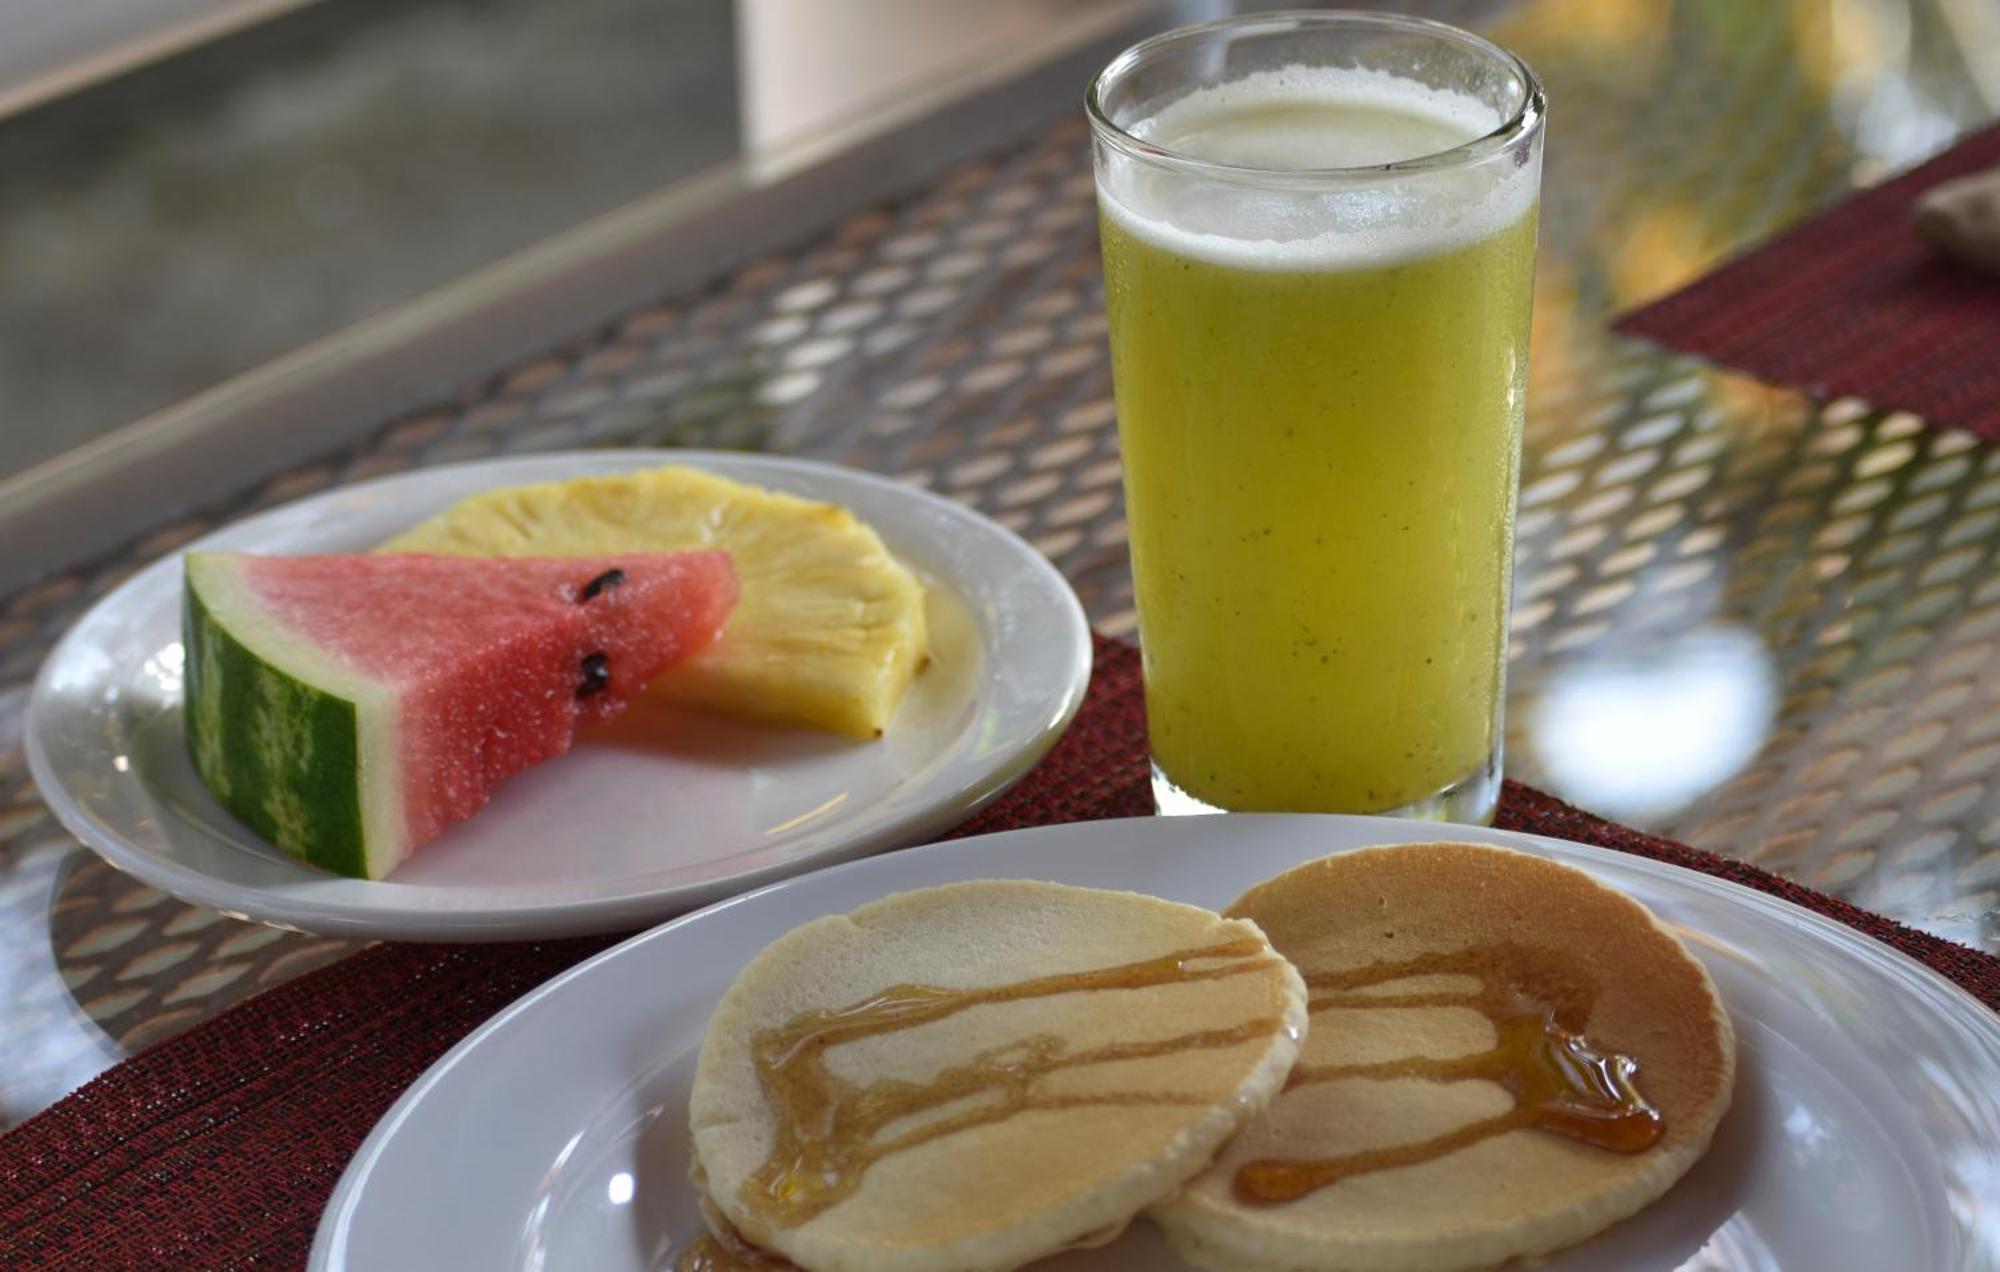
[1304, 119]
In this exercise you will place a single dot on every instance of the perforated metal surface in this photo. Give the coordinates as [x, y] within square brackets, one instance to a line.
[1757, 623]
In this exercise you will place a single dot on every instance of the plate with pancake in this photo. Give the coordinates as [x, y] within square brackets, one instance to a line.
[998, 1051]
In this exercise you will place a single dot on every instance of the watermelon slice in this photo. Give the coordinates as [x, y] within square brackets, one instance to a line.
[348, 708]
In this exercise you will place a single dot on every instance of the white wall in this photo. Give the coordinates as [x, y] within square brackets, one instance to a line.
[805, 63]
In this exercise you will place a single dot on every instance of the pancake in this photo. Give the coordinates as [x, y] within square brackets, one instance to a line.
[976, 1075]
[1396, 1144]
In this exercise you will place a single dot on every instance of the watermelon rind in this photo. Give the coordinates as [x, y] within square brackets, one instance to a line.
[294, 744]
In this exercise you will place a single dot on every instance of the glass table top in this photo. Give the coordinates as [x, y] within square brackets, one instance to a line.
[1761, 623]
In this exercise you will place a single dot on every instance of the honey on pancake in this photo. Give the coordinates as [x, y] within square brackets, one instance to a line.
[830, 1130]
[1560, 1080]
[713, 1254]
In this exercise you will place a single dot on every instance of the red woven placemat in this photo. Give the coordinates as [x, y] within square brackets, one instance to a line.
[1852, 302]
[216, 1150]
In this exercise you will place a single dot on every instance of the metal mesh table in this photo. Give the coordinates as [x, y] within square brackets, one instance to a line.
[1757, 622]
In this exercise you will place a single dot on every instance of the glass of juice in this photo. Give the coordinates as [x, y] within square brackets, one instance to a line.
[1319, 242]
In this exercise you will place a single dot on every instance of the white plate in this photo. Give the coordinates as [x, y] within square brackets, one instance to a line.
[1865, 1132]
[625, 829]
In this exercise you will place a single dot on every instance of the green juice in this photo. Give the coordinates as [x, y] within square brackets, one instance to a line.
[1321, 443]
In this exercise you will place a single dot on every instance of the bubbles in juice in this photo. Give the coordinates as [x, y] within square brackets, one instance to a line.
[1319, 395]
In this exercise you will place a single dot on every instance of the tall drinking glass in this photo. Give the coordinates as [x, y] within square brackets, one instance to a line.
[1319, 241]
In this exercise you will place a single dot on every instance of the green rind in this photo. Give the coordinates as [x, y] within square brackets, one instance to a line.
[281, 754]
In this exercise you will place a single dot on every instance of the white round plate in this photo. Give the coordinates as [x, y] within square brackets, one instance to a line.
[642, 819]
[1865, 1132]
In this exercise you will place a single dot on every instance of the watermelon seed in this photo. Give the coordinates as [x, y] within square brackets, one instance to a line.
[610, 578]
[596, 675]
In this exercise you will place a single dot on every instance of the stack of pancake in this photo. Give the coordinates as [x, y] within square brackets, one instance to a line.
[1429, 1056]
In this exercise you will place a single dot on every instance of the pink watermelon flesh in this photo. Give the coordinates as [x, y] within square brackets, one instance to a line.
[488, 654]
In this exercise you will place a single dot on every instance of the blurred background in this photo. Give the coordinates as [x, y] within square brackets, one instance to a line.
[192, 187]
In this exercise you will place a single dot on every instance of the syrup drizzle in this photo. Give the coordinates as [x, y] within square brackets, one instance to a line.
[830, 1130]
[714, 1254]
[1561, 1081]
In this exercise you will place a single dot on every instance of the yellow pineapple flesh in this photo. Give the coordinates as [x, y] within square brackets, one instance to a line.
[828, 633]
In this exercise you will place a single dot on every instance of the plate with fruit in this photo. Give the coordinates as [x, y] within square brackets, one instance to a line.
[555, 694]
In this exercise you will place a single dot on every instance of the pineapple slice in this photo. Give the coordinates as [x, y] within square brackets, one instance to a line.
[829, 630]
